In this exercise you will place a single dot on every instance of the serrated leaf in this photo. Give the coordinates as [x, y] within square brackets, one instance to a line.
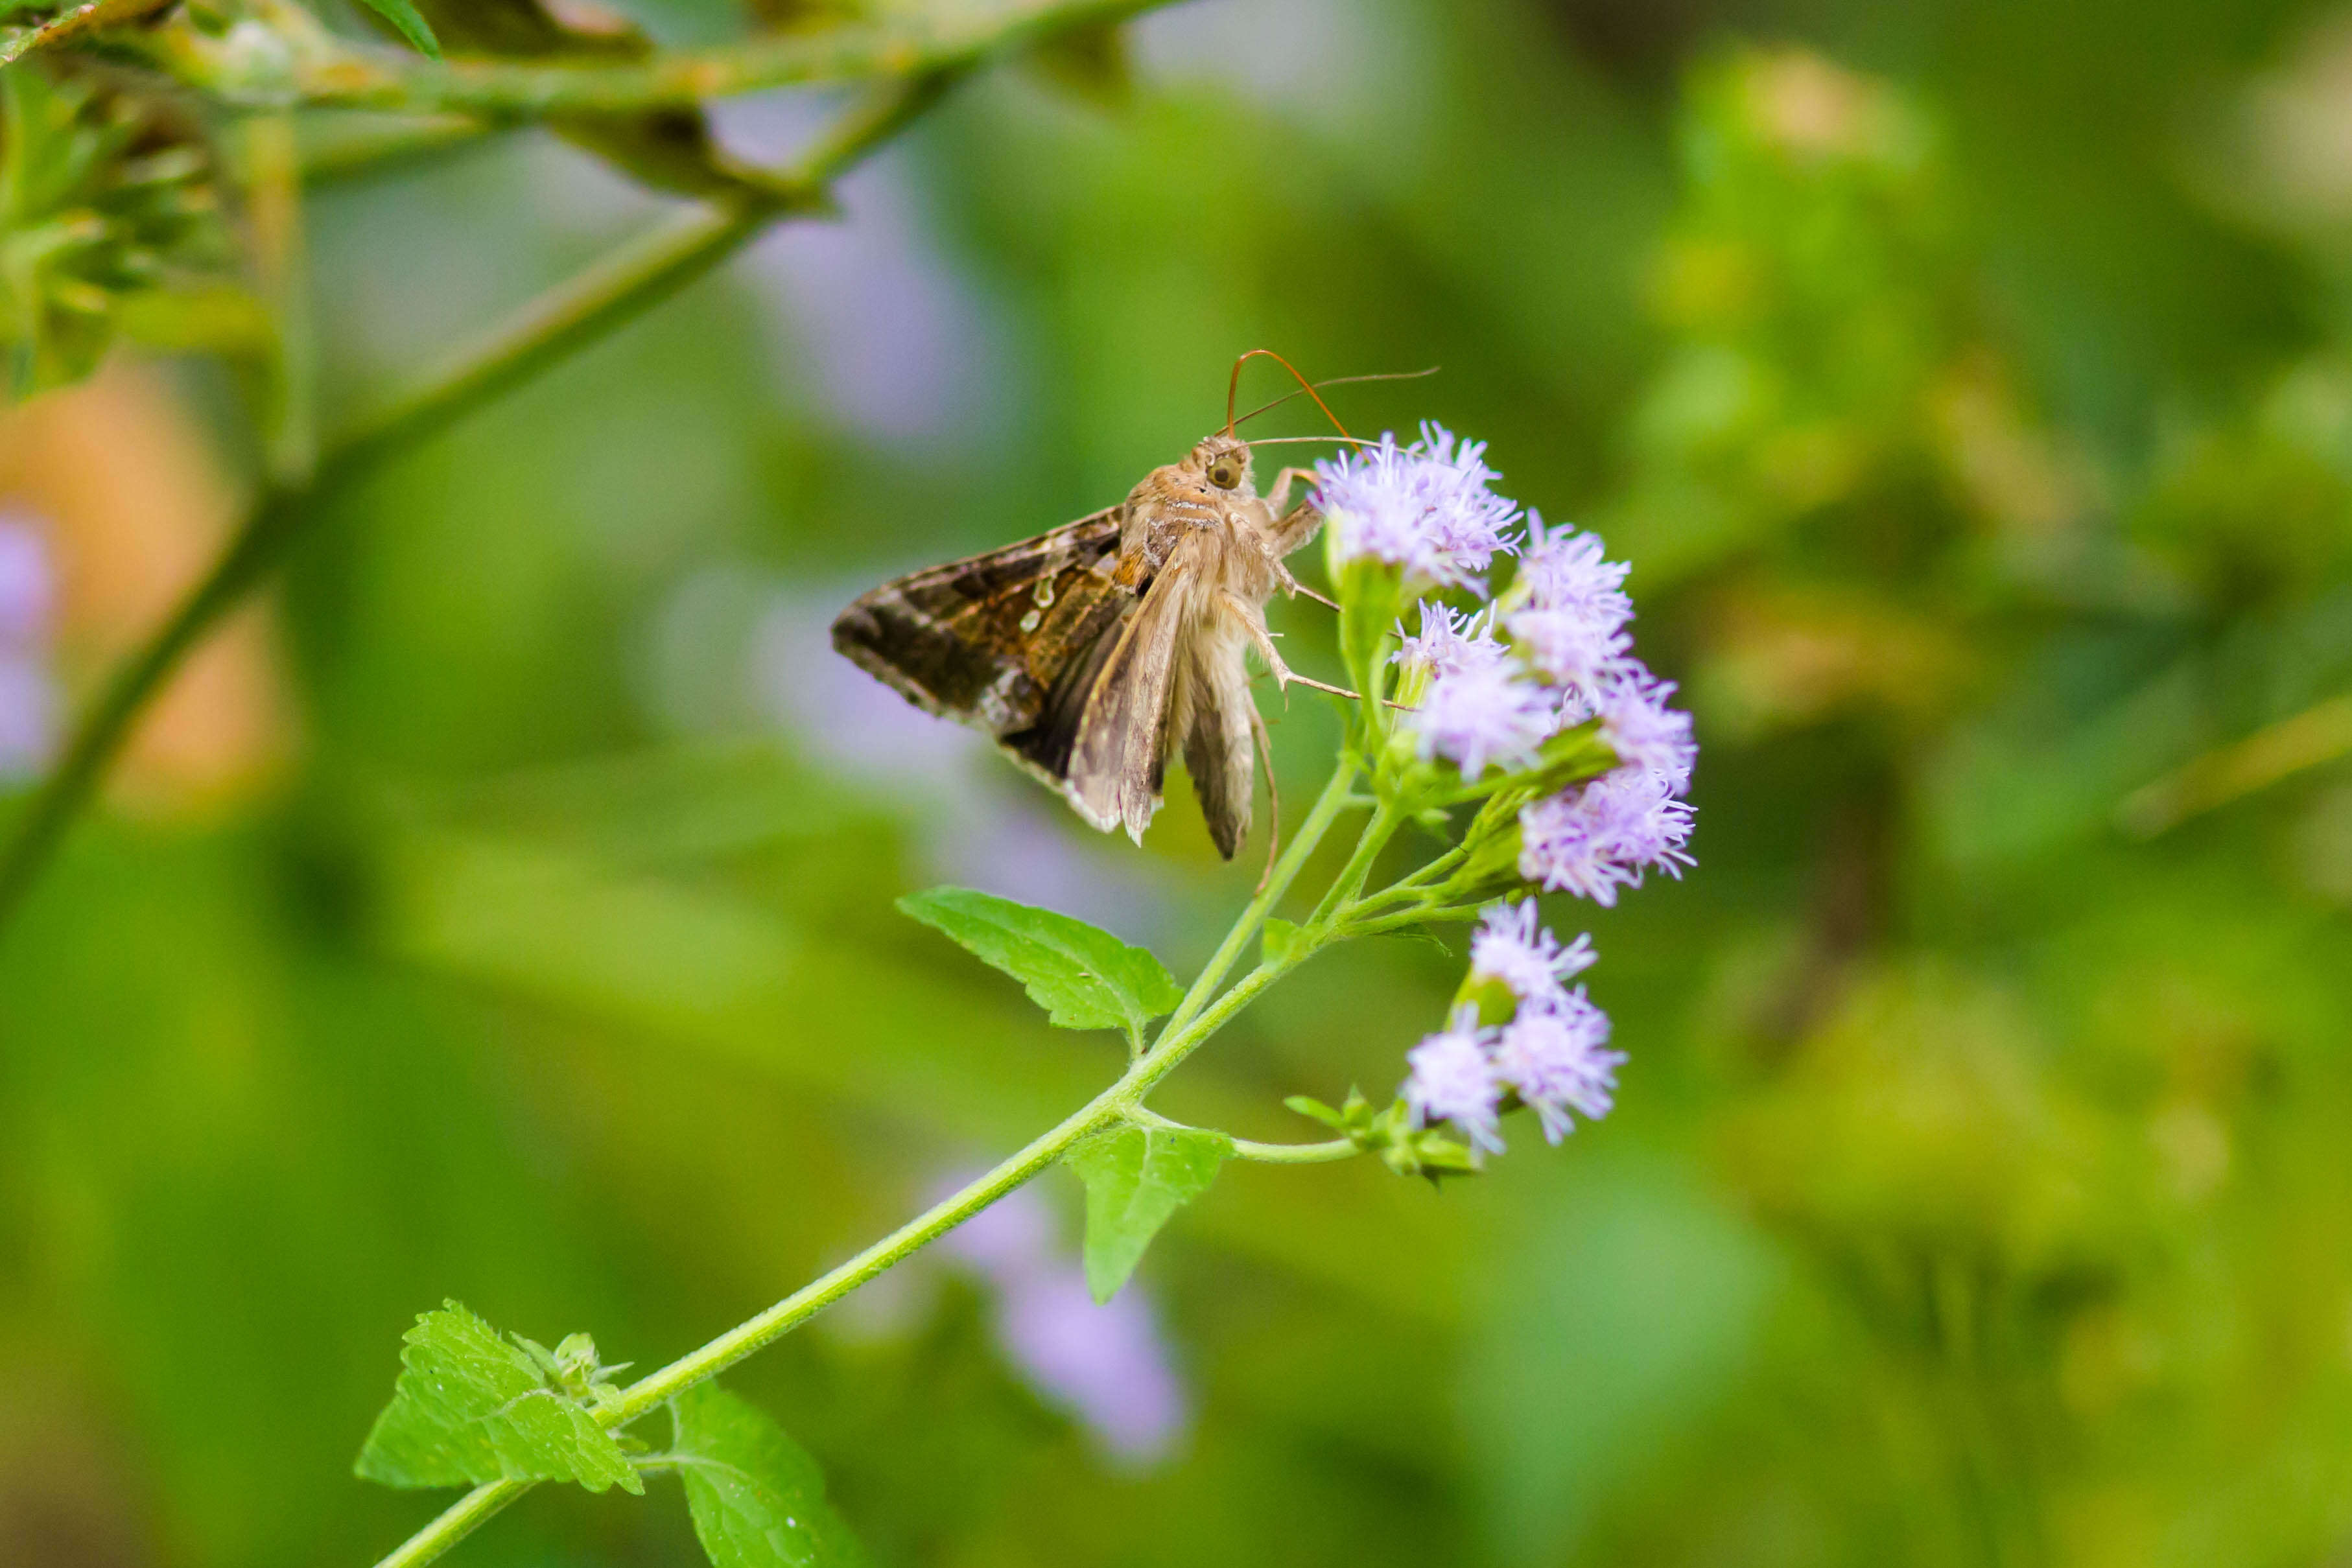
[1136, 1178]
[472, 1406]
[758, 1497]
[413, 27]
[1083, 977]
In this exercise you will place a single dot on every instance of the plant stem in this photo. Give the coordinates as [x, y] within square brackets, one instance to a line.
[332, 75]
[1195, 1021]
[1406, 919]
[1250, 1148]
[552, 328]
[75, 20]
[360, 155]
[1327, 807]
[1295, 1154]
[1350, 881]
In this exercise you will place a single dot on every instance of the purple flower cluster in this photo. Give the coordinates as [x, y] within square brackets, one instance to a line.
[1552, 1054]
[1490, 686]
[1572, 625]
[1594, 837]
[27, 696]
[1106, 1364]
[1478, 707]
[1483, 702]
[1430, 508]
[1513, 947]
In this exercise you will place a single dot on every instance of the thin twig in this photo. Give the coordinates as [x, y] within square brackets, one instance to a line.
[74, 21]
[2312, 738]
[352, 77]
[548, 331]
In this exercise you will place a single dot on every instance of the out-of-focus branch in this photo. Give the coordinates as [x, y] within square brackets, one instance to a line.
[548, 331]
[72, 22]
[2312, 738]
[318, 70]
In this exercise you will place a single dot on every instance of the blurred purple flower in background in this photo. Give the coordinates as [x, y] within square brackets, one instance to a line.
[27, 693]
[1106, 1364]
[899, 346]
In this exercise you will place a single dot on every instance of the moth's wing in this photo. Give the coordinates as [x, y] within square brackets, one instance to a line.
[1116, 758]
[988, 640]
[1213, 704]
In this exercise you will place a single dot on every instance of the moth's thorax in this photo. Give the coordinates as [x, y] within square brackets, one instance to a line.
[1178, 500]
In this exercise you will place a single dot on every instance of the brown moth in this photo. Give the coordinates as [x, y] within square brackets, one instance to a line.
[1092, 653]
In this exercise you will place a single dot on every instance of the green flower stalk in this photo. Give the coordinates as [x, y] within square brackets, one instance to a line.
[1451, 719]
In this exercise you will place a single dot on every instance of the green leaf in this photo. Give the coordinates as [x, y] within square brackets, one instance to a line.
[473, 1407]
[758, 1497]
[1136, 1178]
[1307, 1106]
[1082, 978]
[404, 15]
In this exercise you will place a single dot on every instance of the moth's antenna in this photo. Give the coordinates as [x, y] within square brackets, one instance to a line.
[1291, 440]
[1340, 381]
[1234, 387]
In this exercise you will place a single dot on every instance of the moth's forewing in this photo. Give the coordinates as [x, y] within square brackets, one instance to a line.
[991, 640]
[1212, 703]
[1121, 747]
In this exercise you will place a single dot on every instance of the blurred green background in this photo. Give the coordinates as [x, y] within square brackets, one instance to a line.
[1970, 383]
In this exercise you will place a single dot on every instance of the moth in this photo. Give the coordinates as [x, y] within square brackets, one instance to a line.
[1094, 654]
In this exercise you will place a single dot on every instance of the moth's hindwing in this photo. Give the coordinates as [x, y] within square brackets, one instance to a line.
[988, 640]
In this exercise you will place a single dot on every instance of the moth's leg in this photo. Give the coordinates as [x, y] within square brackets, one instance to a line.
[1273, 798]
[1258, 634]
[1280, 494]
[1283, 673]
[1298, 589]
[1287, 531]
[1293, 528]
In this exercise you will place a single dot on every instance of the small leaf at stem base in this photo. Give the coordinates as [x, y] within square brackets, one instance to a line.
[1137, 1179]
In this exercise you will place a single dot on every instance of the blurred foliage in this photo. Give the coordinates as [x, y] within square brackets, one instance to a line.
[110, 215]
[1976, 1193]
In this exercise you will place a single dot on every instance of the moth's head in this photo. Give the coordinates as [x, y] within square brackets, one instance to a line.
[1222, 460]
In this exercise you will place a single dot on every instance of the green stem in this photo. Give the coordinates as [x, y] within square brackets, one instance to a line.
[1415, 884]
[1251, 1149]
[1350, 881]
[1334, 799]
[353, 156]
[1295, 1154]
[1406, 919]
[328, 74]
[1114, 1104]
[552, 328]
[75, 20]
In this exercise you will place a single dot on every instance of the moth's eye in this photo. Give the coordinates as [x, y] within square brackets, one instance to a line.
[1224, 475]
